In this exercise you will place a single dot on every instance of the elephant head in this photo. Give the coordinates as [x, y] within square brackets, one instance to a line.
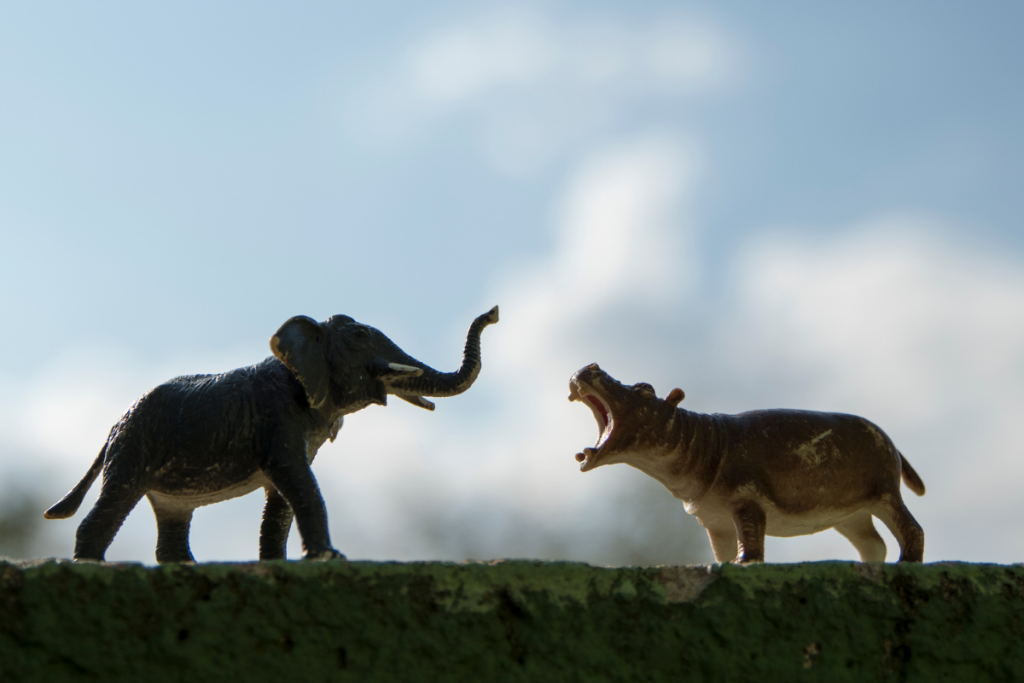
[344, 365]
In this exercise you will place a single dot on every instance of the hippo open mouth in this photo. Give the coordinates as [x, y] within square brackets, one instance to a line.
[581, 391]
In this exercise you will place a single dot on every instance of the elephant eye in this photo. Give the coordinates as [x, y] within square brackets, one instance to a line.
[361, 333]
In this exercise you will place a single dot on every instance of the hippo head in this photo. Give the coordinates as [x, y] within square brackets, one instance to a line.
[628, 417]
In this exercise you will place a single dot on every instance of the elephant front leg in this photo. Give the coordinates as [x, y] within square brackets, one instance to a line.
[277, 522]
[290, 475]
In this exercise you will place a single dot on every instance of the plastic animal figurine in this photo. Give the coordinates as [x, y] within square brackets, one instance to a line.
[775, 472]
[201, 439]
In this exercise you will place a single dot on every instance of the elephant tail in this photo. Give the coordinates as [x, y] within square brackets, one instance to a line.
[68, 505]
[910, 477]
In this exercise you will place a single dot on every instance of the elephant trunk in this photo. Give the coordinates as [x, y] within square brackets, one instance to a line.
[441, 384]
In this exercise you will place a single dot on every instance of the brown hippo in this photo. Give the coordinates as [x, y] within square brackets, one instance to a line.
[776, 472]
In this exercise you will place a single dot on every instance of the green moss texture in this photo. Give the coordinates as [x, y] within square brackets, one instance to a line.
[510, 621]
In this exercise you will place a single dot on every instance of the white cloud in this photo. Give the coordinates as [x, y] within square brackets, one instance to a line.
[518, 50]
[535, 88]
[466, 60]
[889, 305]
[619, 242]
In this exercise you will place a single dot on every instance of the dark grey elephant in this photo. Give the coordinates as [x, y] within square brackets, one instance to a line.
[201, 439]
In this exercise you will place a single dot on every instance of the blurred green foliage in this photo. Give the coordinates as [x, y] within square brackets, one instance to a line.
[640, 524]
[21, 518]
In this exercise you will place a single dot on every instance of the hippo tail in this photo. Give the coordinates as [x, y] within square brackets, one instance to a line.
[910, 477]
[68, 505]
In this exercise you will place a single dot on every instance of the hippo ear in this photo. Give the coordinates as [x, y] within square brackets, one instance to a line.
[301, 344]
[675, 396]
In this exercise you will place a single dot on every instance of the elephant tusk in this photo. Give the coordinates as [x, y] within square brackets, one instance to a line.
[336, 427]
[398, 367]
[417, 401]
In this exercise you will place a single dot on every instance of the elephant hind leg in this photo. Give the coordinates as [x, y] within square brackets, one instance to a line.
[97, 530]
[905, 528]
[172, 527]
[860, 531]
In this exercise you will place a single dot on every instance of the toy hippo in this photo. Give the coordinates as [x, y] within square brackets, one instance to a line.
[775, 472]
[201, 439]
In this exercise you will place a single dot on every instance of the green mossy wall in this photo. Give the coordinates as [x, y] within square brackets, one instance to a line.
[510, 621]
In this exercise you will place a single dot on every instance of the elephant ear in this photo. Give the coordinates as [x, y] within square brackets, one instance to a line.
[301, 345]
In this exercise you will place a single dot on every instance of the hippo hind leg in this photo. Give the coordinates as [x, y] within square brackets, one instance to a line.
[172, 528]
[909, 534]
[860, 531]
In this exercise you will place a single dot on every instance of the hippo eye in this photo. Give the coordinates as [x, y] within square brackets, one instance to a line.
[644, 388]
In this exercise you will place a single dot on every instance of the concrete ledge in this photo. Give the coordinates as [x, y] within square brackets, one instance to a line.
[510, 621]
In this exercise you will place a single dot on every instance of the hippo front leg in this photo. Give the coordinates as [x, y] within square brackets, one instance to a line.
[289, 473]
[723, 544]
[749, 520]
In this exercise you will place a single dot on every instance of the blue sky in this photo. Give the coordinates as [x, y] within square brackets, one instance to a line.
[787, 205]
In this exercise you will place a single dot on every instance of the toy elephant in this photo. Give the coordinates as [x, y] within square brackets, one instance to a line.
[201, 439]
[774, 472]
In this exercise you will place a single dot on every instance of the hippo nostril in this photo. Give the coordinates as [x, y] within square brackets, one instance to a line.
[644, 388]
